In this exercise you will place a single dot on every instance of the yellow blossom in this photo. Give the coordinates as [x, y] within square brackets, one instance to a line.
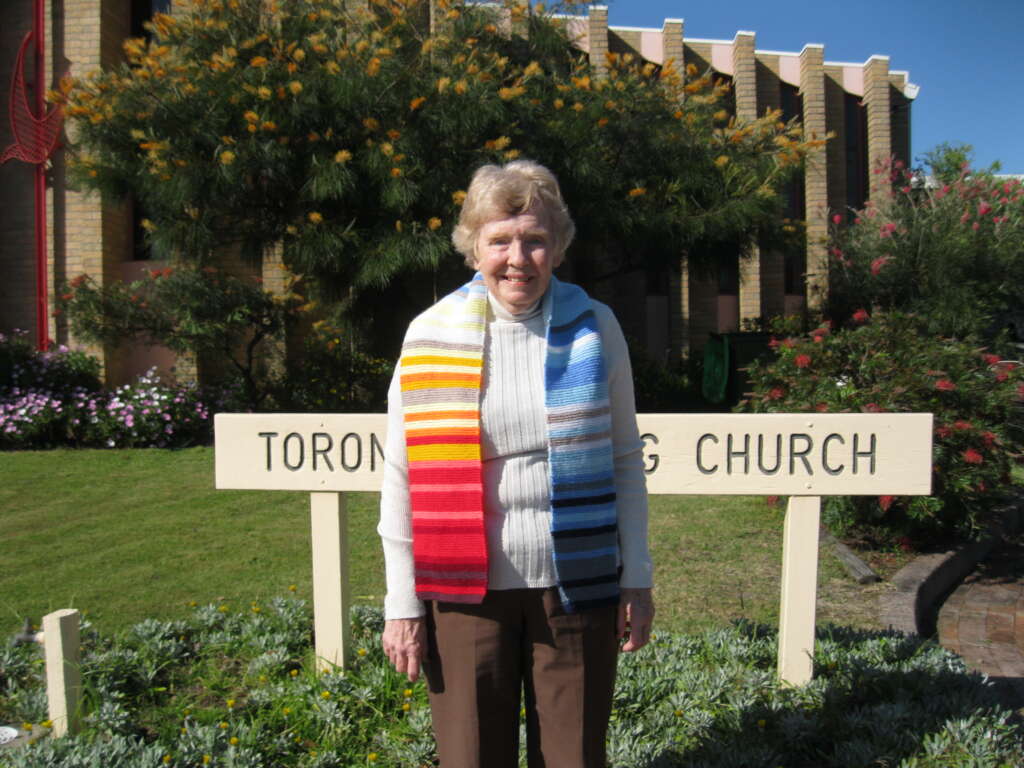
[167, 759]
[269, 126]
[137, 134]
[372, 757]
[149, 226]
[252, 128]
[325, 694]
[499, 143]
[637, 191]
[407, 693]
[373, 67]
[298, 54]
[342, 156]
[417, 102]
[370, 124]
[507, 94]
[396, 172]
[406, 706]
[460, 87]
[432, 224]
[293, 587]
[721, 115]
[223, 725]
[295, 87]
[459, 196]
[443, 83]
[332, 67]
[258, 61]
[387, 149]
[315, 218]
[291, 229]
[394, 135]
[362, 651]
[602, 122]
[578, 107]
[512, 154]
[251, 117]
[721, 161]
[206, 759]
[233, 741]
[263, 92]
[533, 68]
[230, 703]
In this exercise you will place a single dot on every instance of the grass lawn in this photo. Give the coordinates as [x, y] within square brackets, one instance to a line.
[125, 535]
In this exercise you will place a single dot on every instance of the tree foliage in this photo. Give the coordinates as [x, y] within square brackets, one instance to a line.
[346, 132]
[951, 252]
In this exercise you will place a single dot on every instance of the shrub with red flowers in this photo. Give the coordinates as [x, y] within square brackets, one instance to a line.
[948, 249]
[891, 364]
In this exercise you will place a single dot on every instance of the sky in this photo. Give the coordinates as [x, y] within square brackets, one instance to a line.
[966, 56]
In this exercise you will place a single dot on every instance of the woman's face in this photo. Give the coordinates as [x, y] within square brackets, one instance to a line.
[515, 256]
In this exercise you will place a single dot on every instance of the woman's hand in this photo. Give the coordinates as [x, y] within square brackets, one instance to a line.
[636, 614]
[405, 644]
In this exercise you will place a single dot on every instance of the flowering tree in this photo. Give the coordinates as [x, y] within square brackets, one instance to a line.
[890, 363]
[950, 252]
[347, 134]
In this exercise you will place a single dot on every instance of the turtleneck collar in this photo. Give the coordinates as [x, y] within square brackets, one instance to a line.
[504, 315]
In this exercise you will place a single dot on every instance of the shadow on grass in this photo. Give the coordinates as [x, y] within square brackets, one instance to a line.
[877, 699]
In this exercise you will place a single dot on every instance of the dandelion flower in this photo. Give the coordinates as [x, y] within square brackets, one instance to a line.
[295, 87]
[341, 157]
[315, 217]
[227, 157]
[264, 93]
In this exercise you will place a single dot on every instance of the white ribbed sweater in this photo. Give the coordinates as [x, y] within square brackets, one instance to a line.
[517, 483]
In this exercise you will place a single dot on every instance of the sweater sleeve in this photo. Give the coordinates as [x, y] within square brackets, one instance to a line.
[395, 526]
[627, 450]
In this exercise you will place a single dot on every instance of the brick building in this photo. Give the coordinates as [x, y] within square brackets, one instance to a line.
[866, 106]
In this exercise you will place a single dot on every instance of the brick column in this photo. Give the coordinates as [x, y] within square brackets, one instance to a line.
[92, 235]
[672, 45]
[876, 99]
[597, 32]
[744, 80]
[812, 91]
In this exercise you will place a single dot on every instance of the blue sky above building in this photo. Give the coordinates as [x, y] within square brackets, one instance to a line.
[965, 56]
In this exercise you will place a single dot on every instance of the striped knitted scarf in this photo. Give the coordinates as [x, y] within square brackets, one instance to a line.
[441, 376]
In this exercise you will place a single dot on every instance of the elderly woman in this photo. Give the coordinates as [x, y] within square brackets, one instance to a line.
[514, 511]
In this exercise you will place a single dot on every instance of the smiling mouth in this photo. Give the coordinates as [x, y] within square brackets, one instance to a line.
[517, 278]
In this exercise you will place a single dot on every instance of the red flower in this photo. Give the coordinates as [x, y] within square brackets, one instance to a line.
[861, 316]
[155, 273]
[971, 456]
[67, 296]
[905, 190]
[885, 502]
[788, 343]
[877, 264]
[837, 219]
[1002, 376]
[802, 361]
[774, 343]
[988, 438]
[990, 359]
[945, 385]
[975, 226]
[776, 393]
[772, 501]
[821, 407]
[983, 208]
[962, 425]
[818, 338]
[981, 487]
[943, 431]
[873, 408]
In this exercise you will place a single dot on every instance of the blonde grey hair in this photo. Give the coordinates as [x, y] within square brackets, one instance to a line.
[498, 192]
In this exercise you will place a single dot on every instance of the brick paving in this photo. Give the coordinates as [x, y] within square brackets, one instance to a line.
[983, 620]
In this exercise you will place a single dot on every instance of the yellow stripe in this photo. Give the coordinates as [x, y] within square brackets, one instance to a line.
[455, 452]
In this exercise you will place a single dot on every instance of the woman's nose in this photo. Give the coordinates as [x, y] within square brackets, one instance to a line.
[516, 252]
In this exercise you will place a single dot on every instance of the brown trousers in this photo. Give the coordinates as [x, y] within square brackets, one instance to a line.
[480, 657]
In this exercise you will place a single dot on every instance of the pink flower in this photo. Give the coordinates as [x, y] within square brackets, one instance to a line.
[885, 502]
[861, 316]
[975, 226]
[802, 361]
[837, 219]
[988, 438]
[943, 431]
[877, 264]
[857, 220]
[905, 190]
[1002, 376]
[983, 208]
[962, 425]
[971, 456]
[774, 343]
[945, 385]
[776, 393]
[990, 359]
[788, 343]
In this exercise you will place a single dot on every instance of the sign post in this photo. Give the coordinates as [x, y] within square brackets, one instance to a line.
[801, 456]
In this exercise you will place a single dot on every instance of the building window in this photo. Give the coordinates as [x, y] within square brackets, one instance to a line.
[856, 133]
[143, 11]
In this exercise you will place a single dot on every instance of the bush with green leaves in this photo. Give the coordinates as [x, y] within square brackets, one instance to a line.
[890, 364]
[236, 686]
[190, 310]
[950, 251]
[53, 398]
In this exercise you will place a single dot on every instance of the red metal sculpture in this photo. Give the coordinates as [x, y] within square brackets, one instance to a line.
[35, 132]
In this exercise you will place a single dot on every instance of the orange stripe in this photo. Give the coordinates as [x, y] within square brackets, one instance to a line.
[431, 415]
[438, 360]
[474, 431]
[440, 376]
